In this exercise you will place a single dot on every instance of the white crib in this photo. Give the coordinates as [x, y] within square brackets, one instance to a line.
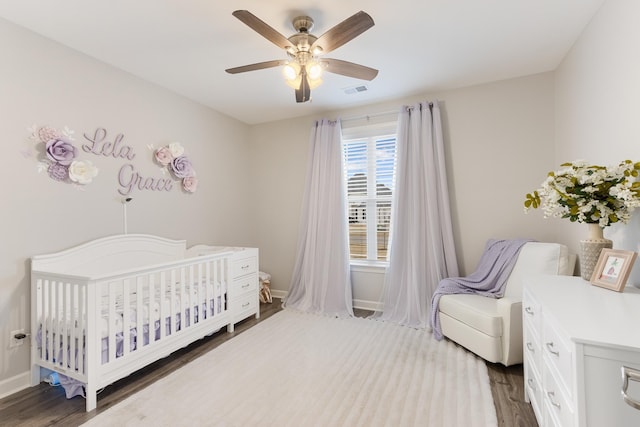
[106, 308]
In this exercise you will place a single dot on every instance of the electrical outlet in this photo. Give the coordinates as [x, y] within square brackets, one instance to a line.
[15, 342]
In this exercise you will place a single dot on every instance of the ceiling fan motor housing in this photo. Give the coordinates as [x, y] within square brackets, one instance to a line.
[302, 24]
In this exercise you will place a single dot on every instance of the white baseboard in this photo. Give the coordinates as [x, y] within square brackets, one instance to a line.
[357, 303]
[275, 293]
[367, 305]
[15, 384]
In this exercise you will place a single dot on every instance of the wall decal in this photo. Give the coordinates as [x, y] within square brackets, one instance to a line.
[129, 180]
[57, 155]
[172, 158]
[100, 146]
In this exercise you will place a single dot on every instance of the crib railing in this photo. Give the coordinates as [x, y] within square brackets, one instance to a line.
[99, 329]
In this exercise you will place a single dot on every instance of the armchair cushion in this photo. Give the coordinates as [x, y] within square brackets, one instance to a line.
[476, 310]
[490, 327]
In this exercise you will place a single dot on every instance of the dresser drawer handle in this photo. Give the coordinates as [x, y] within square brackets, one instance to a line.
[531, 348]
[244, 267]
[246, 304]
[551, 349]
[551, 396]
[245, 286]
[532, 384]
[529, 310]
[633, 375]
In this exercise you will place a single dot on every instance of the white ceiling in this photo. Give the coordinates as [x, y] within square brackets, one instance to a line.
[419, 46]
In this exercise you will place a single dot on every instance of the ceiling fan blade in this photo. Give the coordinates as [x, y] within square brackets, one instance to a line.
[257, 66]
[345, 31]
[349, 69]
[303, 93]
[262, 28]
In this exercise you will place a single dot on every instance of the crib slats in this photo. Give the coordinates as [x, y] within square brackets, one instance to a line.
[71, 312]
[174, 300]
[139, 312]
[208, 294]
[43, 306]
[67, 329]
[162, 299]
[83, 326]
[127, 345]
[111, 319]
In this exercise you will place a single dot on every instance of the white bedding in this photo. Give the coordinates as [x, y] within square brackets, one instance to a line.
[216, 293]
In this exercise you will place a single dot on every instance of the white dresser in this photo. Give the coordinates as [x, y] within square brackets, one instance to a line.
[244, 289]
[577, 339]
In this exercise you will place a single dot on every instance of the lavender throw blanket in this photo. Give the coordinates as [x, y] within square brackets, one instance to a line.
[488, 280]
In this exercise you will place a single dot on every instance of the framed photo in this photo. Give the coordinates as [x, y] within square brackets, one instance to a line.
[613, 268]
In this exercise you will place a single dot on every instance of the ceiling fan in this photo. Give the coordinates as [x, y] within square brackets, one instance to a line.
[303, 69]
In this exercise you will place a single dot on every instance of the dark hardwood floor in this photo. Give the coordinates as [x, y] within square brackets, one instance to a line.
[44, 405]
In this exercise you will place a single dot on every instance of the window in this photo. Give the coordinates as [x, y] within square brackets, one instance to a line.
[369, 172]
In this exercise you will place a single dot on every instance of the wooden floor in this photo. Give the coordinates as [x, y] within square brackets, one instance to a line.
[47, 406]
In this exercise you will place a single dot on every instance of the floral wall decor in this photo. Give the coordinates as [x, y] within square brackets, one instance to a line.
[171, 158]
[58, 156]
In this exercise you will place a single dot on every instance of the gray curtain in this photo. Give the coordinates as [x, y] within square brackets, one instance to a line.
[321, 278]
[422, 249]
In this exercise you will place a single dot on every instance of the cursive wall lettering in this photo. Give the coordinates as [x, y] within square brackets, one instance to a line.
[98, 145]
[129, 179]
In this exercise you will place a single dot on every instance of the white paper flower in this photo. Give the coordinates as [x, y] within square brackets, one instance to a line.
[82, 172]
[176, 149]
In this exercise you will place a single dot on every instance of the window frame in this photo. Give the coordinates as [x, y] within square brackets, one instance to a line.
[372, 132]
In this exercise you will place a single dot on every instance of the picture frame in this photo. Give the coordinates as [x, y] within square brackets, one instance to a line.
[613, 268]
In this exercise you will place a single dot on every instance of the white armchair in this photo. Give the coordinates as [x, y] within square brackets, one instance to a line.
[492, 328]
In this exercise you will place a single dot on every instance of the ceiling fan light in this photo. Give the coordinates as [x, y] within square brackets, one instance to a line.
[291, 71]
[314, 70]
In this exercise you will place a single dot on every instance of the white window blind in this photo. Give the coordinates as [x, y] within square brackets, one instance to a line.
[369, 172]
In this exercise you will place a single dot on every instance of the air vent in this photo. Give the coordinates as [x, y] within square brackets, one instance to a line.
[355, 89]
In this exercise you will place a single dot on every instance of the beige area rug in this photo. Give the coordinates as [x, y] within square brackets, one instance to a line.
[297, 369]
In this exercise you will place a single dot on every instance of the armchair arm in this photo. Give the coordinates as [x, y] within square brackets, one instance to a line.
[510, 309]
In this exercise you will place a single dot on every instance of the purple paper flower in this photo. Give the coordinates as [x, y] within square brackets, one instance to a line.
[58, 171]
[182, 167]
[60, 150]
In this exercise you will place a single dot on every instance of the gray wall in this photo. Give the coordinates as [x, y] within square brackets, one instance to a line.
[498, 136]
[597, 93]
[44, 83]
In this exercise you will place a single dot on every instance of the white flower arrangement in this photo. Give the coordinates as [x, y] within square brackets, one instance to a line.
[589, 194]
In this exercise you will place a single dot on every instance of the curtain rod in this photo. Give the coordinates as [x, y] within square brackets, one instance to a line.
[369, 116]
[383, 113]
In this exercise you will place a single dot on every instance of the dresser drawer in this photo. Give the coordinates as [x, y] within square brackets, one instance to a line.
[532, 314]
[533, 388]
[556, 403]
[244, 285]
[244, 306]
[532, 348]
[243, 266]
[559, 356]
